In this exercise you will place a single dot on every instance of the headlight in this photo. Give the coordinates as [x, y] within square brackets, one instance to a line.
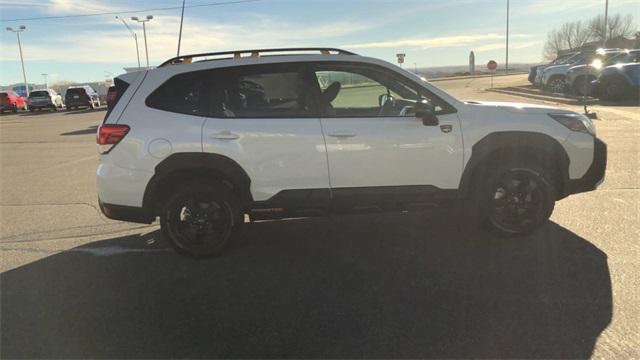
[575, 122]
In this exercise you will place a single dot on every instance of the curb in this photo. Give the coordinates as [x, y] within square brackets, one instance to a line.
[540, 97]
[475, 76]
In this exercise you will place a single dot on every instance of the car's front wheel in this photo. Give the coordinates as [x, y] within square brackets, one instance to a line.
[200, 219]
[516, 199]
[556, 85]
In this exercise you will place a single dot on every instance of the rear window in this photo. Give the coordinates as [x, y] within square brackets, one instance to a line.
[39, 93]
[76, 91]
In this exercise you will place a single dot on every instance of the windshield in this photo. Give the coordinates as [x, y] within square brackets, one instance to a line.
[623, 58]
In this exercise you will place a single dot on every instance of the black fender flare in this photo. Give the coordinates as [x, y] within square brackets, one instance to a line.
[516, 143]
[185, 165]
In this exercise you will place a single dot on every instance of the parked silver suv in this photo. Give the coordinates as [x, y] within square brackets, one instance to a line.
[44, 99]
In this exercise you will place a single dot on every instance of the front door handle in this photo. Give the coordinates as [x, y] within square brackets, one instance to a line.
[342, 134]
[225, 135]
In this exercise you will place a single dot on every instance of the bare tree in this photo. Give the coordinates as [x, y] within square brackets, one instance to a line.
[569, 36]
[573, 35]
[618, 26]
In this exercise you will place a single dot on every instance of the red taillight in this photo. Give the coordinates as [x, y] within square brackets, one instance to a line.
[109, 135]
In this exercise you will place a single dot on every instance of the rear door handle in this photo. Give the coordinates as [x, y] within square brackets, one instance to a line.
[342, 134]
[225, 135]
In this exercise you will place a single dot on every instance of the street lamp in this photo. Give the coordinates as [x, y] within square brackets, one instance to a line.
[24, 74]
[135, 37]
[46, 86]
[144, 30]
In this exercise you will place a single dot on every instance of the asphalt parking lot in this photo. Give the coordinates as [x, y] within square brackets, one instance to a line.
[75, 284]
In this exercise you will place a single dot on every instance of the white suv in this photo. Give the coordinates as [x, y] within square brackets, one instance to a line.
[299, 132]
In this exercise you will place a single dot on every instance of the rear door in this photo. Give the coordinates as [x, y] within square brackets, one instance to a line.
[264, 118]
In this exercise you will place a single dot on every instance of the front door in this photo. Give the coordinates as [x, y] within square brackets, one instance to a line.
[375, 143]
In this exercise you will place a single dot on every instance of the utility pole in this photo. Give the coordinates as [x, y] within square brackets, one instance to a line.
[144, 30]
[606, 21]
[135, 37]
[180, 33]
[24, 74]
[507, 47]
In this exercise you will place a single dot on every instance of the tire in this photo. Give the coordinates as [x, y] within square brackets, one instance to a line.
[582, 86]
[515, 199]
[556, 85]
[614, 89]
[200, 219]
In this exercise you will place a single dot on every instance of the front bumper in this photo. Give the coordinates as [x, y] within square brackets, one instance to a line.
[596, 172]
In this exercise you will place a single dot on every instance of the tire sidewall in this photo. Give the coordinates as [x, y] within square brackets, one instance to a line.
[487, 189]
[221, 195]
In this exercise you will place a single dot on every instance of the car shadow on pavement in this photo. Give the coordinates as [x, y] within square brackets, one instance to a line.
[90, 130]
[365, 286]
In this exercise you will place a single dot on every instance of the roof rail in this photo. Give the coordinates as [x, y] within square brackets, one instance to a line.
[237, 54]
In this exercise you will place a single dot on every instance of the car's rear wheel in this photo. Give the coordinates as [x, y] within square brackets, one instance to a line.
[200, 219]
[614, 89]
[516, 198]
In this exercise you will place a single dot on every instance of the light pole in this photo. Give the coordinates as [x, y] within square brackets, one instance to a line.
[135, 37]
[46, 86]
[507, 47]
[606, 19]
[24, 74]
[144, 30]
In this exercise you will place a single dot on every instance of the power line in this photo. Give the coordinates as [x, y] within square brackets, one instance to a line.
[129, 11]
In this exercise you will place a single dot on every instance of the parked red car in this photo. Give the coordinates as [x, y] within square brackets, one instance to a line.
[10, 101]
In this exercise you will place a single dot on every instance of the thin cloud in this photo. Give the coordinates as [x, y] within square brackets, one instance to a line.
[497, 46]
[115, 45]
[434, 42]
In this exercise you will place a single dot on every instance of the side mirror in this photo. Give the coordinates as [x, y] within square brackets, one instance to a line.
[427, 112]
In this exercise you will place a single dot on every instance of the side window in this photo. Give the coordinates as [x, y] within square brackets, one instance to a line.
[260, 91]
[268, 93]
[357, 91]
[182, 94]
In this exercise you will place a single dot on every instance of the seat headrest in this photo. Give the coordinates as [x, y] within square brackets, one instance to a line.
[329, 94]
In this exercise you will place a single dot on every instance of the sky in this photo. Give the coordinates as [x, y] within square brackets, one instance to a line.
[430, 32]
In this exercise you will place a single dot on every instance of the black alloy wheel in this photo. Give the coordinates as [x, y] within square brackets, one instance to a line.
[200, 220]
[518, 200]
